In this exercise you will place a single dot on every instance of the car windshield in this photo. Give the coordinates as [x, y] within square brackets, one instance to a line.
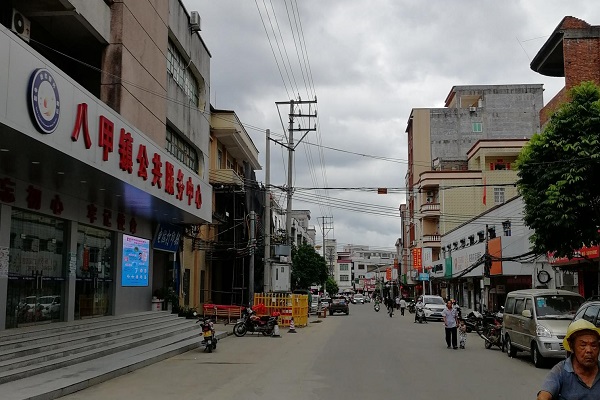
[556, 306]
[46, 299]
[434, 300]
[358, 296]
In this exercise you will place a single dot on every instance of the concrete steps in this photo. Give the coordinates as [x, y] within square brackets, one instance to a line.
[56, 359]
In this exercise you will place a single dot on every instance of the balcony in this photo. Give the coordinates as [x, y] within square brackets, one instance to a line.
[430, 210]
[432, 241]
[225, 177]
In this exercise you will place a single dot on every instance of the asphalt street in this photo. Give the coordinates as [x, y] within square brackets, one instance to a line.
[365, 355]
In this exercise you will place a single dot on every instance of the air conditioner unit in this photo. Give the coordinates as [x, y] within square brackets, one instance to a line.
[21, 25]
[472, 109]
[194, 21]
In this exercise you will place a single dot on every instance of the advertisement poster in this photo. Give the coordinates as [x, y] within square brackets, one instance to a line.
[136, 258]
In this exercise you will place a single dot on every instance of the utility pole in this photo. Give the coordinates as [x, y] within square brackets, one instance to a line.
[267, 217]
[291, 147]
[326, 227]
[252, 248]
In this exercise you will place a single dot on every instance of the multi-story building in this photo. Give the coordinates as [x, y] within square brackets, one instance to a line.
[369, 265]
[234, 160]
[502, 233]
[572, 51]
[302, 232]
[461, 162]
[103, 144]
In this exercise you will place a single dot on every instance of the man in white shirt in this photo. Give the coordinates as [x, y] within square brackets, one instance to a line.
[450, 325]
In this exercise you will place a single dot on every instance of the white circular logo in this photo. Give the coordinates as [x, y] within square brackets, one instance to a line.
[44, 100]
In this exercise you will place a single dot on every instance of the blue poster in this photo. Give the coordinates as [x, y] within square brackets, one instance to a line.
[135, 263]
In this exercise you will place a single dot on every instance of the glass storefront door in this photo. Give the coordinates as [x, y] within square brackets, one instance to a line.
[36, 272]
[94, 272]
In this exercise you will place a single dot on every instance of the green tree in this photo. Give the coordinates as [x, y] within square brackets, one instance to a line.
[331, 286]
[308, 267]
[559, 172]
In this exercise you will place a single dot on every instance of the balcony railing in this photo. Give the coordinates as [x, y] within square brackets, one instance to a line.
[432, 240]
[430, 209]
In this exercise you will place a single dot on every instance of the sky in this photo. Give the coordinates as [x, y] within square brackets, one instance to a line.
[369, 63]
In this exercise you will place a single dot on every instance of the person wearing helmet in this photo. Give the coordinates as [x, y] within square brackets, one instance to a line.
[578, 376]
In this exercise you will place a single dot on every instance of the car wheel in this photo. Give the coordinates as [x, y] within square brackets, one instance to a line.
[538, 359]
[348, 312]
[510, 350]
[330, 312]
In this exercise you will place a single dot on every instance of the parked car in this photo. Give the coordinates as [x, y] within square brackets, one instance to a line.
[50, 305]
[339, 304]
[433, 306]
[358, 298]
[589, 311]
[536, 321]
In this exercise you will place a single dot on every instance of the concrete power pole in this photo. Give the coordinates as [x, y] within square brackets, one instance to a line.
[267, 217]
[291, 147]
[252, 248]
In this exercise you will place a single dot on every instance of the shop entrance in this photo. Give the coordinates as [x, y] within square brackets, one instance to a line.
[36, 272]
[94, 272]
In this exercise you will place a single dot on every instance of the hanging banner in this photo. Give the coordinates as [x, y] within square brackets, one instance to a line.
[495, 250]
[417, 258]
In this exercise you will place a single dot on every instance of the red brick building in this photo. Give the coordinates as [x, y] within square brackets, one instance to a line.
[573, 52]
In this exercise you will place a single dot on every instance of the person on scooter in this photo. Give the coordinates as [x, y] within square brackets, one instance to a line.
[417, 307]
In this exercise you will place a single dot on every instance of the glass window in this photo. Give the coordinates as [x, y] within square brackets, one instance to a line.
[177, 67]
[557, 307]
[579, 315]
[529, 306]
[519, 306]
[592, 313]
[477, 127]
[498, 195]
[344, 278]
[510, 305]
[184, 152]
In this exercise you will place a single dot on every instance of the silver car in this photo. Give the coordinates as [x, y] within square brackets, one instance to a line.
[536, 321]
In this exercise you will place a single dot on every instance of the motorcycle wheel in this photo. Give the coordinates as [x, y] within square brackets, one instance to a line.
[209, 348]
[488, 344]
[240, 329]
[214, 344]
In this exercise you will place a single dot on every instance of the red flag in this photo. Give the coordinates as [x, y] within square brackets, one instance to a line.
[484, 191]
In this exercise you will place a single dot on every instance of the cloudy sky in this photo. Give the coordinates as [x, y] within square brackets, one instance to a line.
[369, 62]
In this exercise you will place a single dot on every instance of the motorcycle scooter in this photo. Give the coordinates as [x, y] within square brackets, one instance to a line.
[208, 333]
[420, 315]
[250, 322]
[376, 307]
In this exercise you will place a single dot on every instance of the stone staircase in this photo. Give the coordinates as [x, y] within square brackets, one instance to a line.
[53, 360]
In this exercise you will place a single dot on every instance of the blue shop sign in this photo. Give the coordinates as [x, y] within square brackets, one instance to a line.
[423, 276]
[167, 237]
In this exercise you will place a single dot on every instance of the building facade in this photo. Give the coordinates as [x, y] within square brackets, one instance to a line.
[572, 51]
[461, 163]
[103, 148]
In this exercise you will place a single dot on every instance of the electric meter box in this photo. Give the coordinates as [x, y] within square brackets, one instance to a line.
[281, 277]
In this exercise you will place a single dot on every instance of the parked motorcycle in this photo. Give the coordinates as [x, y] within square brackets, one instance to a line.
[209, 339]
[377, 307]
[492, 330]
[411, 307]
[250, 322]
[474, 321]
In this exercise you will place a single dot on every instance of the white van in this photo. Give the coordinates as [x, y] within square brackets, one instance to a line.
[536, 321]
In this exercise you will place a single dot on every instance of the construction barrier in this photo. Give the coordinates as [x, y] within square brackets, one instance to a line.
[287, 305]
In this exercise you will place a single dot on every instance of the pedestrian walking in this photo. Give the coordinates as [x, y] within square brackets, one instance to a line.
[462, 334]
[449, 315]
[402, 306]
[397, 300]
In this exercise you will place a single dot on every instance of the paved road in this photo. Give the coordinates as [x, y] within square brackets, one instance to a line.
[365, 355]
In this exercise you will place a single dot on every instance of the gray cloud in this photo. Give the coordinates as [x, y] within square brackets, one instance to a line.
[371, 62]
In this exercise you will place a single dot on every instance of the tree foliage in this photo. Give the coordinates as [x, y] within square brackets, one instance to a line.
[331, 286]
[308, 267]
[559, 176]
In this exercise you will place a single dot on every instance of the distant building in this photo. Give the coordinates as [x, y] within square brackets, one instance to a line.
[461, 162]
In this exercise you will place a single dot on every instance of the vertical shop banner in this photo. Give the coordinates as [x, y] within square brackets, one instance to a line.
[448, 267]
[388, 274]
[427, 258]
[135, 263]
[495, 250]
[417, 258]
